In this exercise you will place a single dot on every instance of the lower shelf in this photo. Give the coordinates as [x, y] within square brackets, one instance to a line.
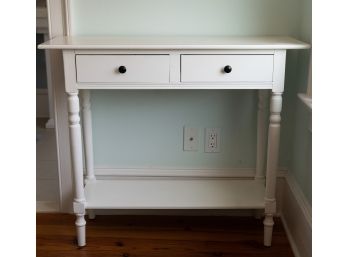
[175, 194]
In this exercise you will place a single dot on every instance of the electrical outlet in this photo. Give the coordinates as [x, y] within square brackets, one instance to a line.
[190, 139]
[212, 140]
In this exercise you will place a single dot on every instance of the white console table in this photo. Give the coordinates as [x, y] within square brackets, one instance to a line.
[92, 63]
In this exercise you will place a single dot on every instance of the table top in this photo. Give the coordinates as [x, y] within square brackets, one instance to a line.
[174, 43]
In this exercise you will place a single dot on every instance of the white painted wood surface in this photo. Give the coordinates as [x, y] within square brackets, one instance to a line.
[42, 27]
[296, 216]
[50, 122]
[152, 86]
[56, 17]
[167, 43]
[87, 134]
[165, 172]
[273, 143]
[279, 71]
[139, 68]
[77, 166]
[47, 207]
[47, 183]
[93, 58]
[70, 71]
[175, 194]
[210, 68]
[272, 166]
[147, 70]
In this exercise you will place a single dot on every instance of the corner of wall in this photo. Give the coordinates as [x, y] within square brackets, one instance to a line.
[296, 217]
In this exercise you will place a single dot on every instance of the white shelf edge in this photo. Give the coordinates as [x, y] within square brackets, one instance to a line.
[166, 43]
[164, 193]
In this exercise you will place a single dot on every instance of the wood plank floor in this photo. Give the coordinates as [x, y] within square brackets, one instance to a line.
[159, 236]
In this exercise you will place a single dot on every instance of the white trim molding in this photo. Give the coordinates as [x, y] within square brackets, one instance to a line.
[183, 172]
[47, 206]
[296, 216]
[56, 21]
[42, 27]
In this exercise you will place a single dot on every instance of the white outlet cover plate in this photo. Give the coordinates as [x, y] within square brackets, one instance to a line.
[212, 142]
[190, 139]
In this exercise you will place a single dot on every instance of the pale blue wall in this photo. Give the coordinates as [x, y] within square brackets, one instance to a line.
[144, 128]
[301, 164]
[185, 17]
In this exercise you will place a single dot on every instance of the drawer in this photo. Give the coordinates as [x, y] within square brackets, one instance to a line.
[241, 68]
[137, 68]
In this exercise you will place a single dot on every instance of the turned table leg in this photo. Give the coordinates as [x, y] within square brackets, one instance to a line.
[87, 134]
[272, 166]
[77, 166]
[88, 140]
[261, 134]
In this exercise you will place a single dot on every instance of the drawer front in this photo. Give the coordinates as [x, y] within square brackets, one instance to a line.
[138, 68]
[210, 68]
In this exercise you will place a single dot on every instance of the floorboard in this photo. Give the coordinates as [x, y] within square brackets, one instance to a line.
[159, 236]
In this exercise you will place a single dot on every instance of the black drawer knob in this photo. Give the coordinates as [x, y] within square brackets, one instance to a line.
[122, 69]
[227, 69]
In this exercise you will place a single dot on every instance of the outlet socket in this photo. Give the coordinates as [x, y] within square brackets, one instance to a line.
[212, 140]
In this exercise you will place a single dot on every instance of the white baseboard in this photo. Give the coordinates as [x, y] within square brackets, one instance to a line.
[173, 212]
[109, 173]
[47, 206]
[296, 216]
